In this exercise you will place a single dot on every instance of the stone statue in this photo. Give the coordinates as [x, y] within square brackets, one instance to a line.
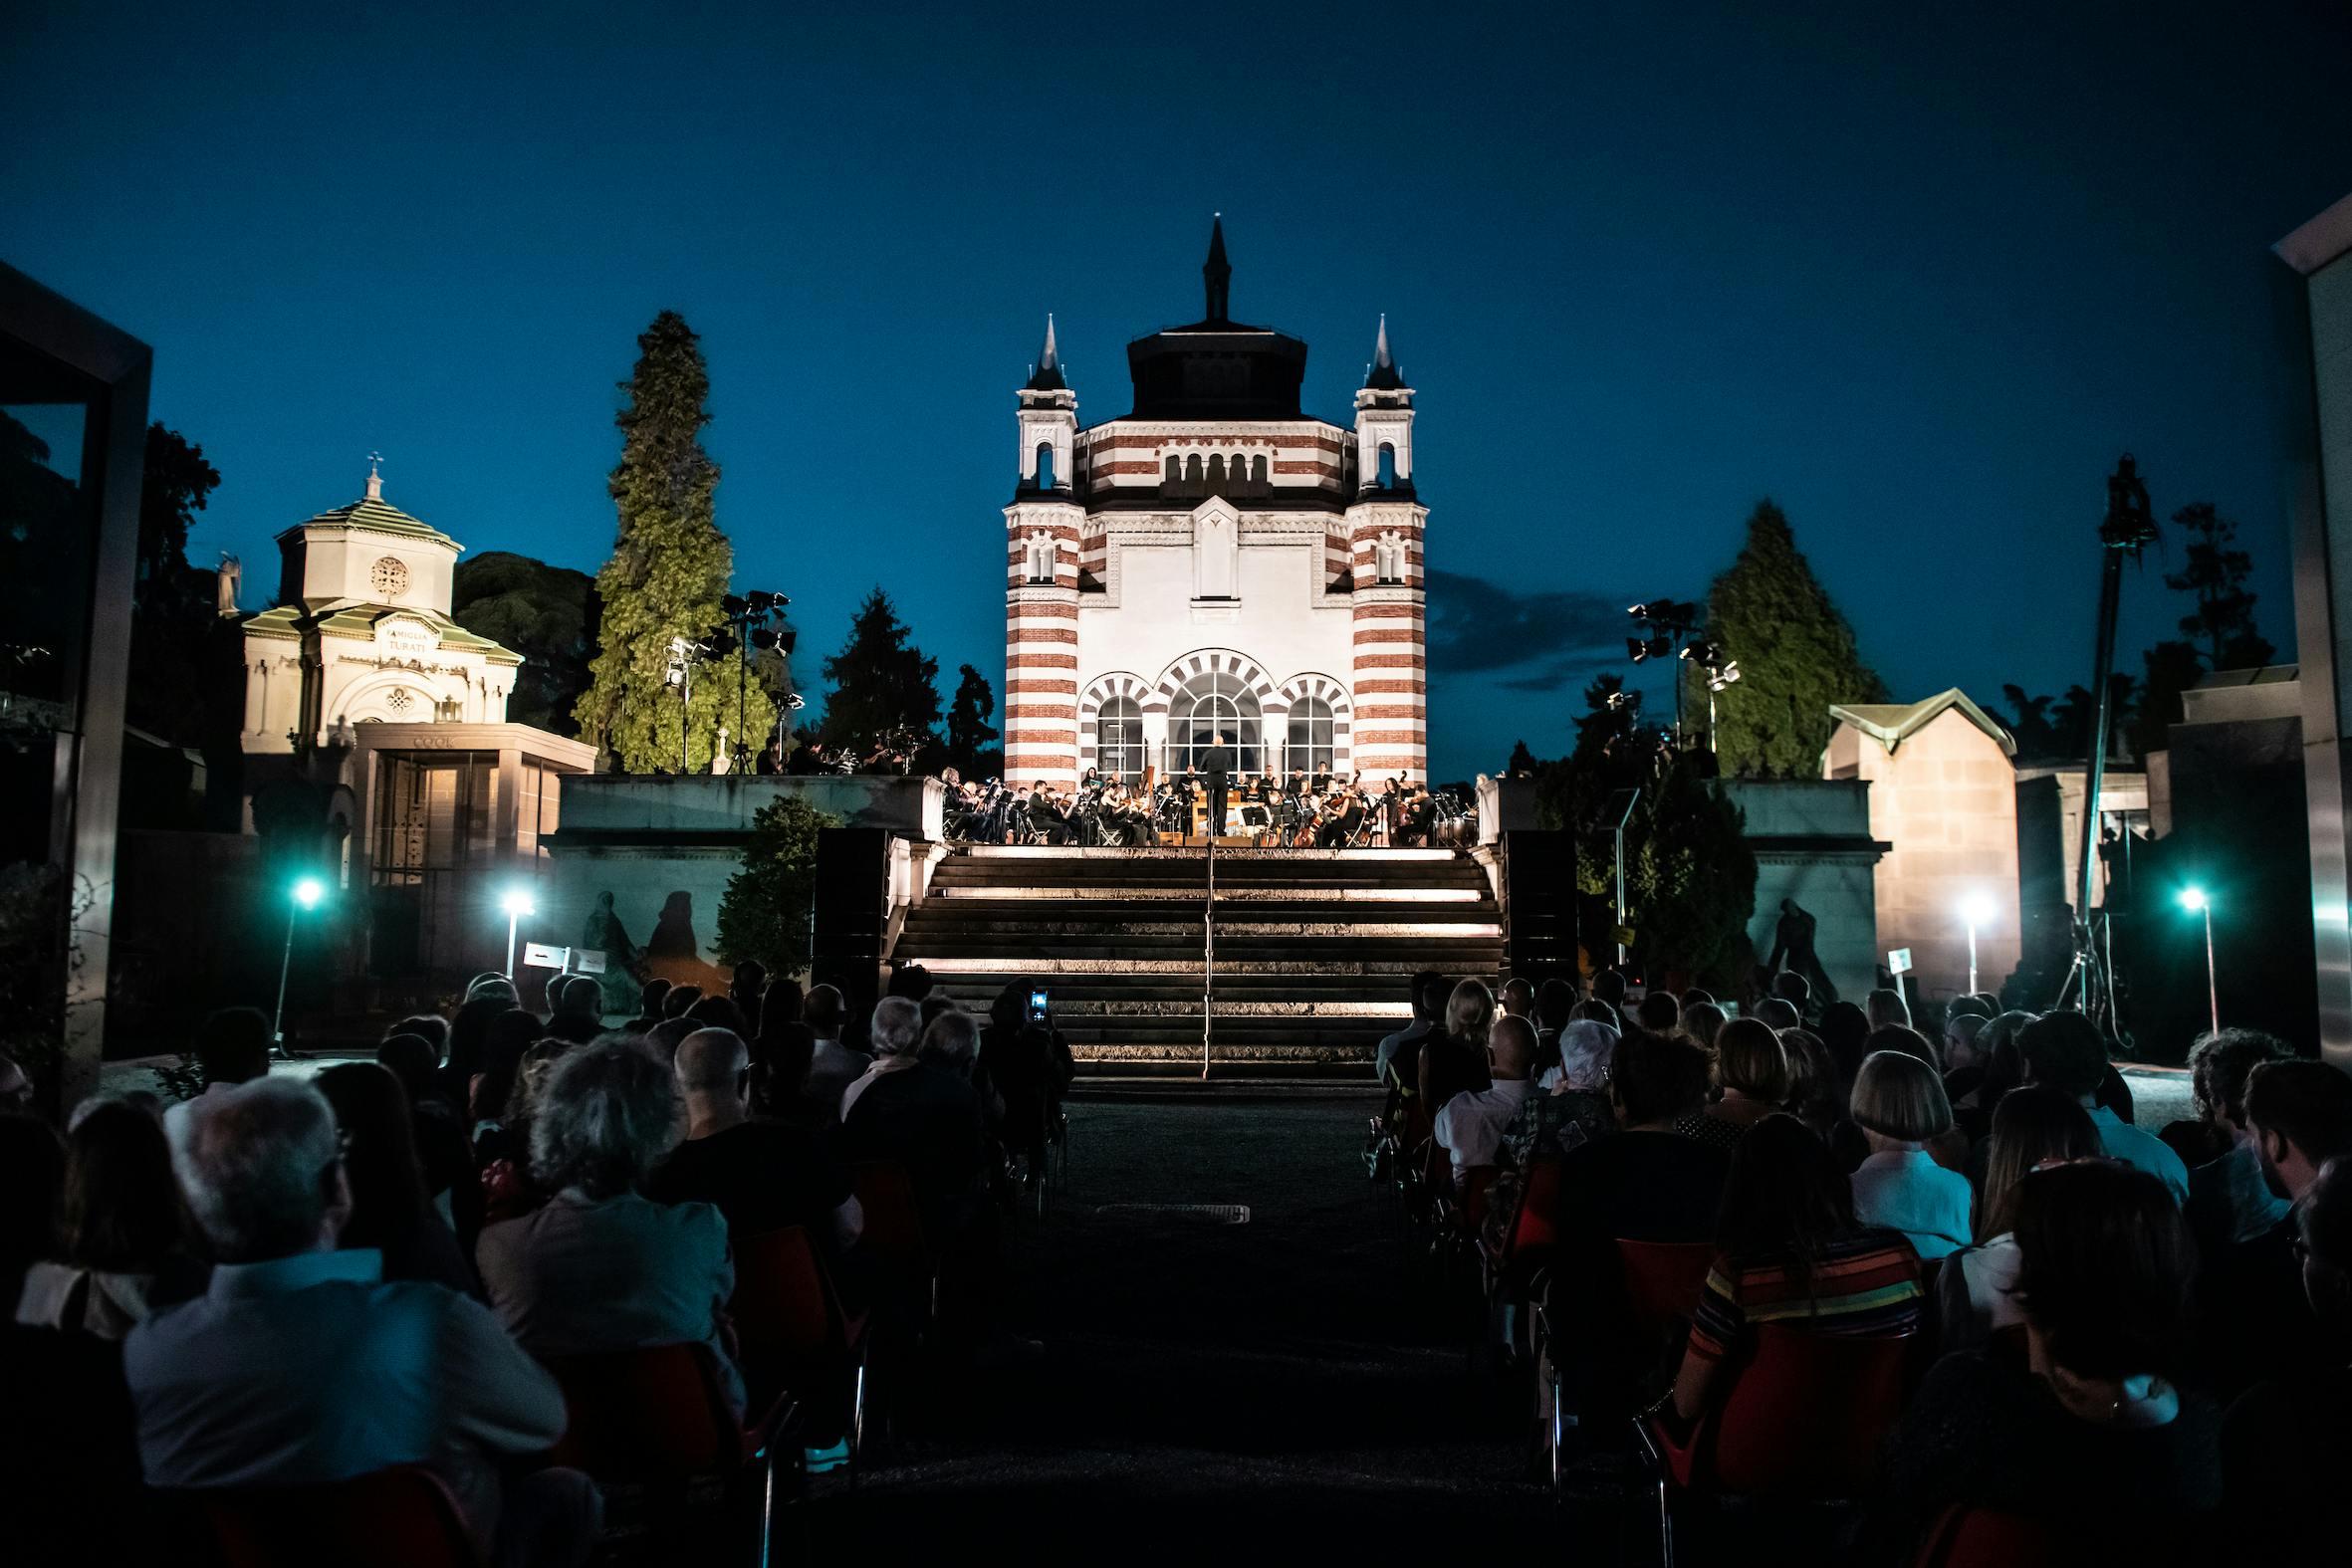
[602, 933]
[225, 581]
[1793, 942]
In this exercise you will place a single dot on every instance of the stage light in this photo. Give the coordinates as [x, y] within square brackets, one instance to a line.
[308, 891]
[2194, 900]
[1976, 909]
[305, 893]
[516, 903]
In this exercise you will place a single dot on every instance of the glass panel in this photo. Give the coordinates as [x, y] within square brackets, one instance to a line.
[1310, 737]
[1210, 704]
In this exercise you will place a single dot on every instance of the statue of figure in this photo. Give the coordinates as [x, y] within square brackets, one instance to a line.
[602, 933]
[225, 581]
[1793, 940]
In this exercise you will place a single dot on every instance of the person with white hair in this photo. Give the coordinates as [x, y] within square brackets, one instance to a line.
[1469, 1127]
[896, 1026]
[600, 1266]
[918, 1108]
[300, 1364]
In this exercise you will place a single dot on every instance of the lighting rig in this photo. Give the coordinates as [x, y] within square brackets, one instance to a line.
[1665, 625]
[755, 620]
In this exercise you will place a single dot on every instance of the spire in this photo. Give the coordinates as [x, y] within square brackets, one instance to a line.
[375, 478]
[1216, 272]
[1047, 376]
[1384, 375]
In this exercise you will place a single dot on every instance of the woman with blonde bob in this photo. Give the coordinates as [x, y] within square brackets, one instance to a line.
[1751, 1069]
[1458, 1062]
[1899, 1104]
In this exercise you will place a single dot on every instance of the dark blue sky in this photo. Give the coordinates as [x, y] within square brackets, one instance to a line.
[1917, 272]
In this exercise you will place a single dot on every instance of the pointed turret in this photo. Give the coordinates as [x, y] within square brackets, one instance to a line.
[1216, 272]
[374, 477]
[1047, 376]
[1384, 375]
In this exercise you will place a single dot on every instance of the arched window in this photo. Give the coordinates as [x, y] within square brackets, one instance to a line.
[1044, 465]
[1175, 469]
[1387, 473]
[1119, 740]
[1310, 737]
[1258, 470]
[1211, 703]
[1215, 470]
[1192, 468]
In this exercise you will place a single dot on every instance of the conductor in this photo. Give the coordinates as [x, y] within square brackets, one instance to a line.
[1217, 762]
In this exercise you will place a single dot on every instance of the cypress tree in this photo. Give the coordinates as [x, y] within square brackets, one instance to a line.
[667, 574]
[1796, 654]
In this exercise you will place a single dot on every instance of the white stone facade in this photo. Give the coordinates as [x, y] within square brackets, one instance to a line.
[361, 634]
[1259, 574]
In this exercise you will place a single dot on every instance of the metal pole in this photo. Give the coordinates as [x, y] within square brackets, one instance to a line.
[1971, 954]
[1619, 910]
[513, 916]
[1209, 959]
[285, 967]
[2213, 987]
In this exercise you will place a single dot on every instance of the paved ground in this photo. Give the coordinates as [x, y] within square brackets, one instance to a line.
[1212, 1388]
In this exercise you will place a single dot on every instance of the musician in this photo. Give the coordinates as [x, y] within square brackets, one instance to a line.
[1343, 815]
[809, 759]
[771, 759]
[1048, 815]
[1217, 765]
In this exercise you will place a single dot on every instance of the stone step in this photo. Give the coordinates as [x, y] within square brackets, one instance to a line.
[986, 853]
[963, 970]
[1322, 892]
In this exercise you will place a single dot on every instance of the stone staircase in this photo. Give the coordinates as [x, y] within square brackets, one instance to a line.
[1315, 948]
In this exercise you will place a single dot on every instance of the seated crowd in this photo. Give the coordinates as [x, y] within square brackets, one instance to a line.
[2135, 1343]
[283, 1281]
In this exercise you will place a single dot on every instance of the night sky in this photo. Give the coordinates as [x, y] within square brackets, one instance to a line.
[1919, 274]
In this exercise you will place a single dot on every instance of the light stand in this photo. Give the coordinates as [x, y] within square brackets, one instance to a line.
[2127, 529]
[306, 894]
[2194, 899]
[517, 904]
[749, 620]
[1664, 624]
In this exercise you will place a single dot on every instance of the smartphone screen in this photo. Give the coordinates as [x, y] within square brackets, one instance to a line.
[1037, 1003]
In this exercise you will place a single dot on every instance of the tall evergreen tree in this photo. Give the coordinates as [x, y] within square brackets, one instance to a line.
[882, 685]
[967, 730]
[545, 613]
[2215, 569]
[1796, 652]
[668, 570]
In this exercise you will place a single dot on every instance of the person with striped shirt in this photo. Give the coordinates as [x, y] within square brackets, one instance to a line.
[1789, 1250]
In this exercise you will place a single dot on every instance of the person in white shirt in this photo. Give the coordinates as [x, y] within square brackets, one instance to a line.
[2032, 1127]
[2065, 1051]
[1899, 1104]
[1470, 1126]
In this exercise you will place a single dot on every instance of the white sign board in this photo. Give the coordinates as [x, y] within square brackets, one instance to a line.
[538, 954]
[588, 961]
[1898, 961]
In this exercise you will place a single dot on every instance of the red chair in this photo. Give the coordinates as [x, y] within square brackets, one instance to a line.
[1663, 1281]
[402, 1517]
[1980, 1538]
[793, 1337]
[894, 1236]
[1803, 1420]
[658, 1419]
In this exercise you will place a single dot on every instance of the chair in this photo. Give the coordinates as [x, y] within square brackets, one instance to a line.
[1663, 1281]
[401, 1517]
[793, 1337]
[893, 1235]
[1966, 1537]
[1803, 1421]
[658, 1419]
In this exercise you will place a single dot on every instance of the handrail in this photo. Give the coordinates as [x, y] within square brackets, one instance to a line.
[1209, 956]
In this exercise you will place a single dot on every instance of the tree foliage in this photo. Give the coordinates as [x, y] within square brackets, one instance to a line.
[548, 615]
[882, 684]
[763, 913]
[667, 574]
[968, 729]
[175, 483]
[1796, 652]
[2214, 570]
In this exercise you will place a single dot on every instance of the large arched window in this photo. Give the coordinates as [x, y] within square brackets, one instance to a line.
[1310, 737]
[1212, 703]
[1119, 740]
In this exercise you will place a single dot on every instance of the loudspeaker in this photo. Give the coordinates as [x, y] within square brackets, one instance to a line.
[1539, 905]
[849, 911]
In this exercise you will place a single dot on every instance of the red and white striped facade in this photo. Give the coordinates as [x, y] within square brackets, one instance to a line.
[1147, 560]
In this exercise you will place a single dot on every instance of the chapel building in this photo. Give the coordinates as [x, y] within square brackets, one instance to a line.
[1215, 559]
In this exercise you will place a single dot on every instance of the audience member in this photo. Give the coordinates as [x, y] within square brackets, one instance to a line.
[748, 989]
[1816, 1095]
[762, 1175]
[1570, 1106]
[431, 1026]
[1797, 991]
[1887, 1005]
[1658, 1012]
[16, 1089]
[599, 1267]
[302, 1364]
[469, 1042]
[2285, 1446]
[1470, 1125]
[2064, 1051]
[392, 1211]
[1963, 1067]
[576, 1009]
[1904, 1039]
[1595, 1010]
[2092, 1439]
[1516, 999]
[1649, 1183]
[1703, 1021]
[895, 1030]
[649, 1005]
[1556, 1006]
[1402, 1051]
[1456, 1060]
[232, 1046]
[1790, 1250]
[720, 1012]
[664, 1038]
[781, 1057]
[1844, 1030]
[2032, 1127]
[2229, 1199]
[122, 1240]
[832, 1066]
[443, 1151]
[1751, 1069]
[1899, 1104]
[1608, 987]
[1778, 1014]
[678, 998]
[1025, 1067]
